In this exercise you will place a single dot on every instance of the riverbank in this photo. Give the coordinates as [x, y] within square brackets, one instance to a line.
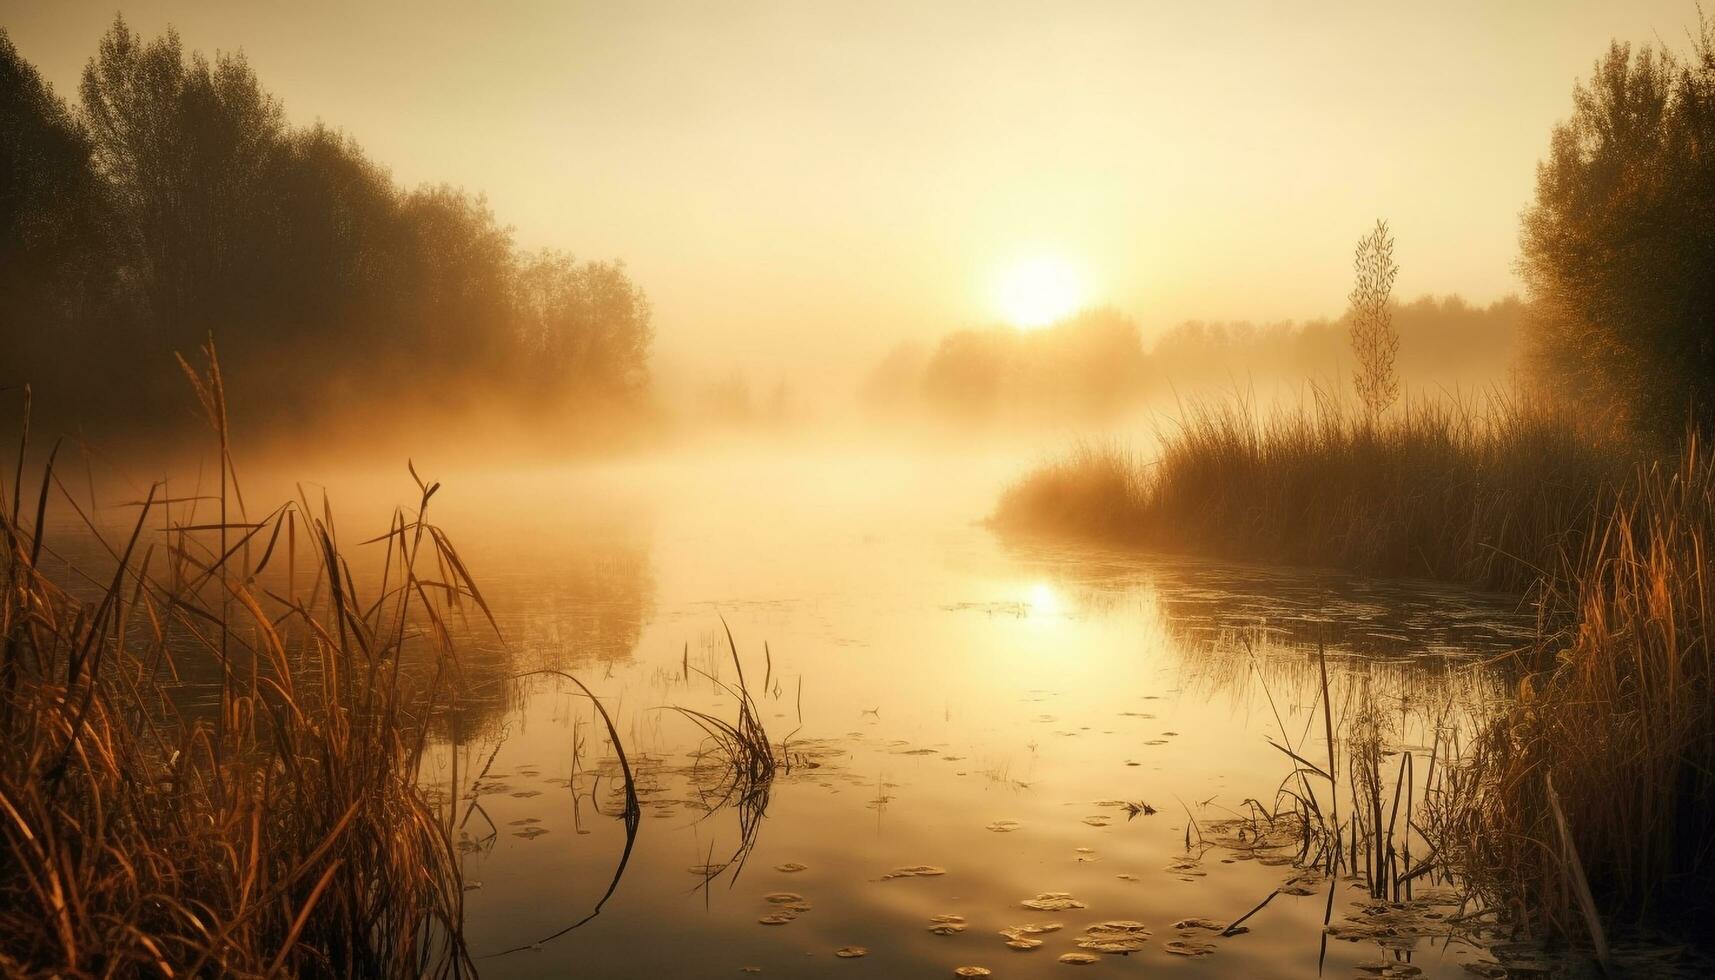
[1589, 796]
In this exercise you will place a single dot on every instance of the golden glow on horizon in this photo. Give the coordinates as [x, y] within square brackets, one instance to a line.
[1038, 290]
[1195, 161]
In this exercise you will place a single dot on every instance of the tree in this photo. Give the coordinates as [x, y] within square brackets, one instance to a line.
[1618, 249]
[175, 201]
[1375, 343]
[182, 146]
[51, 262]
[583, 328]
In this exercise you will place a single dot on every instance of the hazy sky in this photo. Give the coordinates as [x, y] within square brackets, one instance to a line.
[811, 180]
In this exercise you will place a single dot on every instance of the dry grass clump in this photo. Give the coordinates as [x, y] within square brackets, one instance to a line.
[279, 829]
[1097, 489]
[1436, 490]
[1603, 769]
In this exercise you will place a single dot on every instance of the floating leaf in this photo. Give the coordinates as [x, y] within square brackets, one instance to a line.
[1052, 902]
[915, 871]
[1119, 936]
[1032, 929]
[1186, 947]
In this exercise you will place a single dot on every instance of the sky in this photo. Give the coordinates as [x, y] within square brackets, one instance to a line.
[810, 182]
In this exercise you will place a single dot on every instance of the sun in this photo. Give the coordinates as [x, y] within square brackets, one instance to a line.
[1037, 290]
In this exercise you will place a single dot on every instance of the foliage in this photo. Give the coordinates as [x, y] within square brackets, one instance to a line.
[50, 228]
[1375, 343]
[1618, 246]
[175, 201]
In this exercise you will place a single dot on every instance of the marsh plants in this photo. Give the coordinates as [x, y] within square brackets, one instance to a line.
[1584, 800]
[210, 752]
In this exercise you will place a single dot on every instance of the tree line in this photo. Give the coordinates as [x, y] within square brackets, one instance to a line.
[1098, 364]
[172, 201]
[1617, 251]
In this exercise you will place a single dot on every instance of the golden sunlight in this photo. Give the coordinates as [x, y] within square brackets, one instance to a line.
[1044, 601]
[1038, 290]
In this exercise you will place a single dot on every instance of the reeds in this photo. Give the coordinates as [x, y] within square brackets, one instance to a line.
[1482, 495]
[741, 753]
[1583, 803]
[1594, 790]
[279, 827]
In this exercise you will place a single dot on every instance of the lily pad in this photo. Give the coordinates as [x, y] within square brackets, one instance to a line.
[1052, 902]
[1118, 936]
[1031, 929]
[915, 871]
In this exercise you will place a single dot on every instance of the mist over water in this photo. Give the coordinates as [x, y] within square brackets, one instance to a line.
[803, 489]
[931, 680]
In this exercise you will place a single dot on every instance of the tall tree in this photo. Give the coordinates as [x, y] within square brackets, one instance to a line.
[51, 270]
[182, 145]
[1619, 247]
[1375, 343]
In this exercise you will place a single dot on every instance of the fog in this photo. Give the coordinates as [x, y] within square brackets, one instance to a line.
[681, 489]
[172, 188]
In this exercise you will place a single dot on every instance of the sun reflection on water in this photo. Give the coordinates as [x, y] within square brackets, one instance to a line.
[1044, 602]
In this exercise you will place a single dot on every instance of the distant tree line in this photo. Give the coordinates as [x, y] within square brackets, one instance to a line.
[1088, 366]
[173, 201]
[1617, 251]
[1098, 364]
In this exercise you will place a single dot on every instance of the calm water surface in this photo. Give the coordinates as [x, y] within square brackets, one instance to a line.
[939, 681]
[952, 700]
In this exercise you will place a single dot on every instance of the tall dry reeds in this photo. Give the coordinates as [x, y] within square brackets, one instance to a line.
[1586, 800]
[274, 826]
[1485, 495]
[1593, 793]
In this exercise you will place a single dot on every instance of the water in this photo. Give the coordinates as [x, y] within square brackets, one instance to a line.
[938, 681]
[953, 700]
